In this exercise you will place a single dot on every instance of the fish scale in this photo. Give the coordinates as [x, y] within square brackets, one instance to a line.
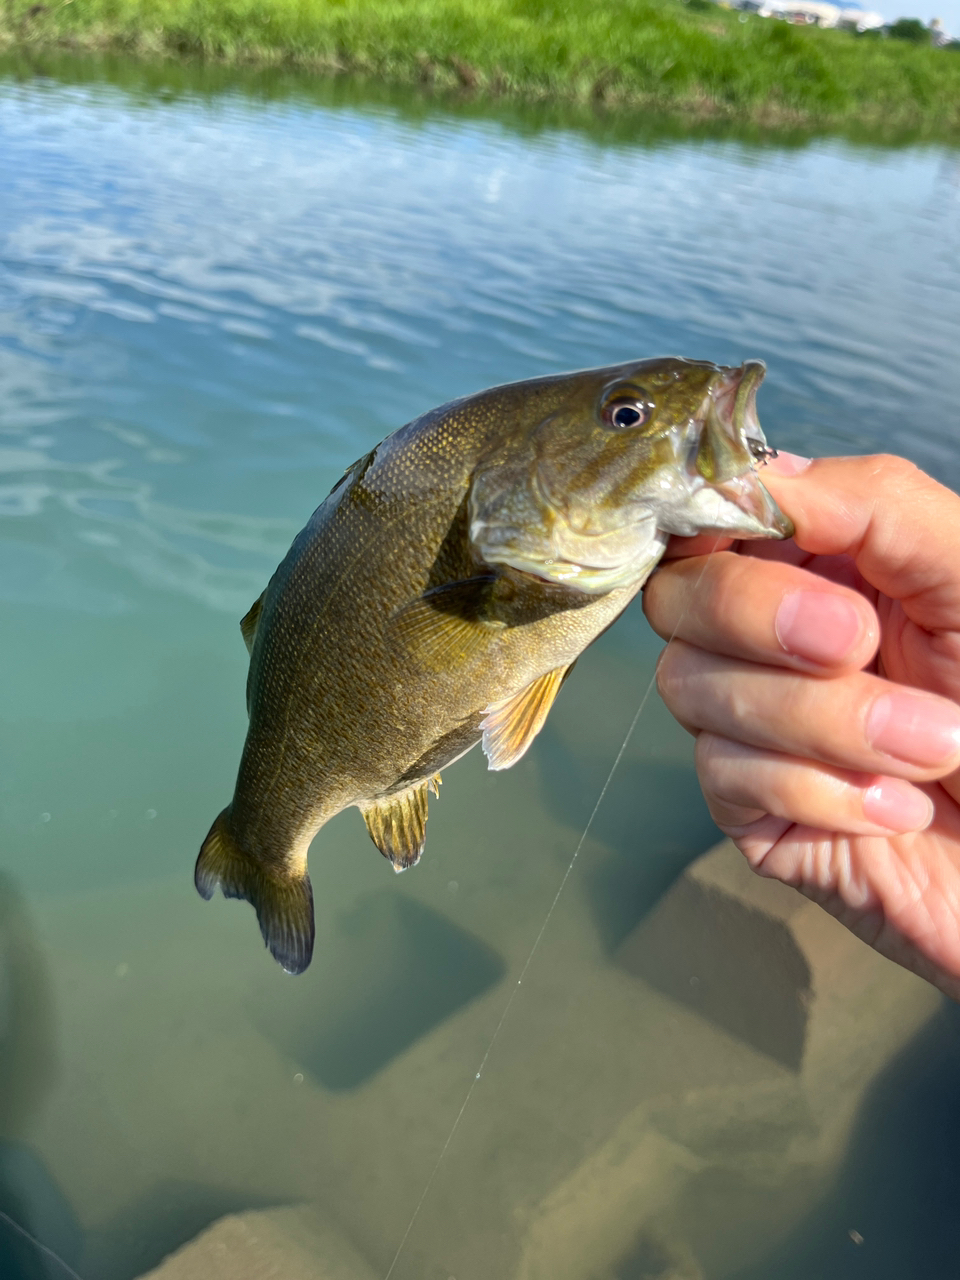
[441, 594]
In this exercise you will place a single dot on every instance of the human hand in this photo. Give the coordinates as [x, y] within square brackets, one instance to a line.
[821, 677]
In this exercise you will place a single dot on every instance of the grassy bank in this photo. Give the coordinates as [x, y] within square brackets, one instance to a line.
[669, 55]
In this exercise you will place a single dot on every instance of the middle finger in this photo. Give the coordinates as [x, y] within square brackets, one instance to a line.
[765, 610]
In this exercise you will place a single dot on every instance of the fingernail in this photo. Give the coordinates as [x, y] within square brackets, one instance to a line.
[911, 727]
[820, 626]
[897, 806]
[787, 464]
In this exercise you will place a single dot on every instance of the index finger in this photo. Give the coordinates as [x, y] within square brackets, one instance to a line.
[763, 611]
[900, 527]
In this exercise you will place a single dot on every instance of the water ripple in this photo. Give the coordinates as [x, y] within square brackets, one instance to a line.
[246, 297]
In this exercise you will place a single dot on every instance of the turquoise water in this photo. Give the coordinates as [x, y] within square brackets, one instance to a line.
[209, 306]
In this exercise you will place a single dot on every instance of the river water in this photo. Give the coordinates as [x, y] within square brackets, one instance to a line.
[210, 304]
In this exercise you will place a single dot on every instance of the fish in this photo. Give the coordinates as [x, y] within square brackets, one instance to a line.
[442, 593]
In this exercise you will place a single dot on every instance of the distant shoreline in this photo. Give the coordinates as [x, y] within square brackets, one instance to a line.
[692, 58]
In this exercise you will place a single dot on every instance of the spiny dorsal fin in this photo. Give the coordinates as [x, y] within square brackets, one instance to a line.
[398, 824]
[511, 725]
[443, 629]
[248, 623]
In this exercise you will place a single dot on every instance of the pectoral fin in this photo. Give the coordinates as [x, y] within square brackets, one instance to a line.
[248, 623]
[443, 629]
[398, 824]
[511, 725]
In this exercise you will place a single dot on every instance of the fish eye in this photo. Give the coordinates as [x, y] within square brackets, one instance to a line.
[623, 414]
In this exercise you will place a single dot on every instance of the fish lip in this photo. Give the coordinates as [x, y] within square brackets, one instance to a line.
[754, 499]
[728, 416]
[752, 373]
[731, 404]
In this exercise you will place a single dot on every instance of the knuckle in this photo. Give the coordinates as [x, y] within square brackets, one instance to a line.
[787, 794]
[795, 707]
[669, 671]
[890, 469]
[659, 581]
[752, 778]
[660, 597]
[710, 759]
[739, 707]
[728, 782]
[666, 685]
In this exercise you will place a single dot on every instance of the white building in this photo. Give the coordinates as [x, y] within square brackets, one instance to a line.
[818, 13]
[803, 12]
[938, 36]
[854, 18]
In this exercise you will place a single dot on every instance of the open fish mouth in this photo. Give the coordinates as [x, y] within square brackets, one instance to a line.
[729, 446]
[744, 420]
[730, 438]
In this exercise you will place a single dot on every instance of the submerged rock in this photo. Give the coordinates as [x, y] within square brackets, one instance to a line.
[290, 1243]
[704, 1180]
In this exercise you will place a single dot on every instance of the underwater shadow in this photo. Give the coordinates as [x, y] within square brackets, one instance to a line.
[149, 1229]
[652, 824]
[893, 1210]
[393, 970]
[33, 1210]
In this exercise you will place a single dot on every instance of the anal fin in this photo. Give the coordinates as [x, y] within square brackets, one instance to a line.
[398, 824]
[510, 726]
[248, 623]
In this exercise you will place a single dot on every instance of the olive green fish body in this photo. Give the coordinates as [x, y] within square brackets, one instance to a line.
[441, 593]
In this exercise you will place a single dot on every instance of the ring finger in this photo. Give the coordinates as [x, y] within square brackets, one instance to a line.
[742, 783]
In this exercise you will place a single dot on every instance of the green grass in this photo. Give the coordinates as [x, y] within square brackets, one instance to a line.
[662, 54]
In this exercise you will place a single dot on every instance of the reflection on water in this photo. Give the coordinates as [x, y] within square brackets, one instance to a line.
[215, 294]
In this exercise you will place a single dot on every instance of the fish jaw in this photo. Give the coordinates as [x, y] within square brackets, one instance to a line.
[742, 506]
[722, 489]
[698, 473]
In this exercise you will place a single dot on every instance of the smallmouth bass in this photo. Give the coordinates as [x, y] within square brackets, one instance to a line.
[441, 594]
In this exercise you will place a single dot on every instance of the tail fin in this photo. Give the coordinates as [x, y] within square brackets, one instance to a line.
[284, 905]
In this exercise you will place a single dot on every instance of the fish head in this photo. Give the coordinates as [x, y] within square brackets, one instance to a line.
[615, 462]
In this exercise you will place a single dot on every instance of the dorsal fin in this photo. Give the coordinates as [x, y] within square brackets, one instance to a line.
[398, 824]
[511, 725]
[248, 623]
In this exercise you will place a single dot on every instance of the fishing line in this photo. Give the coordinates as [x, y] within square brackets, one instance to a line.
[5, 1217]
[543, 928]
